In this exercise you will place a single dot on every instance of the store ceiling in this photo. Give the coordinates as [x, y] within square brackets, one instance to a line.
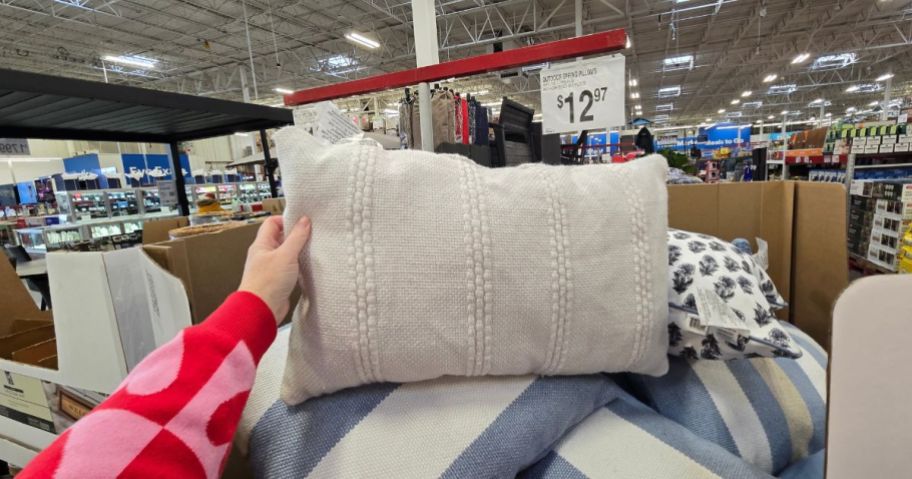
[200, 46]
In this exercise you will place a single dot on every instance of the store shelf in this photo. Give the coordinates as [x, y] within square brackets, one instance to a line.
[817, 159]
[603, 42]
[885, 165]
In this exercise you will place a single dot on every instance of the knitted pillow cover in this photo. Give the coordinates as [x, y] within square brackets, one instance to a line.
[424, 265]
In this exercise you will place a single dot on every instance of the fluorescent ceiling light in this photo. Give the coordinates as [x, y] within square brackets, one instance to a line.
[801, 58]
[874, 103]
[851, 109]
[752, 104]
[828, 115]
[833, 62]
[785, 112]
[885, 77]
[284, 91]
[634, 95]
[735, 101]
[481, 92]
[665, 107]
[670, 91]
[734, 114]
[132, 60]
[683, 62]
[721, 111]
[771, 117]
[770, 78]
[363, 40]
[782, 89]
[241, 134]
[633, 82]
[639, 107]
[746, 93]
[865, 88]
[709, 120]
[532, 68]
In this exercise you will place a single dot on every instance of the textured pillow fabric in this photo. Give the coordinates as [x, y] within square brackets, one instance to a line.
[449, 427]
[425, 265]
[697, 261]
[769, 411]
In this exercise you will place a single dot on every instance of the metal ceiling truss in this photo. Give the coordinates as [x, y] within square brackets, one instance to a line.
[202, 49]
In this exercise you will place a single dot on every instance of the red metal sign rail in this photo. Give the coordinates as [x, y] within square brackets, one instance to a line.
[604, 42]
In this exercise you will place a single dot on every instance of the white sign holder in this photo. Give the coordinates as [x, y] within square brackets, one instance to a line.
[583, 95]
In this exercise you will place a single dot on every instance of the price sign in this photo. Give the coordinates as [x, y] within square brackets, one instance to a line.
[584, 95]
[167, 192]
[14, 146]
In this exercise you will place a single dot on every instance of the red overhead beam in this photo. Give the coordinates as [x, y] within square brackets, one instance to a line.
[604, 42]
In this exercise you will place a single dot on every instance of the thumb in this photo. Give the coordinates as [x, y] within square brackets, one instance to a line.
[297, 238]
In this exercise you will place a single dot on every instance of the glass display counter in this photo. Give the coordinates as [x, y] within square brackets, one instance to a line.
[57, 236]
[151, 201]
[32, 239]
[80, 205]
[227, 194]
[123, 202]
[8, 233]
[105, 230]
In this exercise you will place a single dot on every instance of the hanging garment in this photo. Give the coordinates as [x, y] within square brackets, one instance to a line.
[644, 141]
[457, 109]
[451, 116]
[405, 125]
[481, 126]
[473, 107]
[443, 122]
[465, 121]
[416, 123]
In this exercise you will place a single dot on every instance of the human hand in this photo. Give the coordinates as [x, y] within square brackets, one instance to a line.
[271, 270]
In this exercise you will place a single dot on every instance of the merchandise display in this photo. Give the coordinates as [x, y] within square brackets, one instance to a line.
[460, 216]
[454, 239]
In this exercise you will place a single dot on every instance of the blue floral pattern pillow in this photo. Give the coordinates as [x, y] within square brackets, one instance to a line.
[697, 261]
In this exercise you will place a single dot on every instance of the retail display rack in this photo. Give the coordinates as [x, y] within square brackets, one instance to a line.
[48, 107]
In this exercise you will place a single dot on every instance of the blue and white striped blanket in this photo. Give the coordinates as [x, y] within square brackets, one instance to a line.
[555, 427]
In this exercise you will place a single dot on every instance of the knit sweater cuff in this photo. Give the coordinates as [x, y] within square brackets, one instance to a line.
[246, 317]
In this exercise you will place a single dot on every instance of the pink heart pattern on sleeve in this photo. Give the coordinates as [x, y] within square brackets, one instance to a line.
[175, 414]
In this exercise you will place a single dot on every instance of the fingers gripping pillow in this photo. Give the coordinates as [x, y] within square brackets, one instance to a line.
[425, 265]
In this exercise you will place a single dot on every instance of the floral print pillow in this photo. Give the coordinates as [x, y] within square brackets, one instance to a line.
[697, 261]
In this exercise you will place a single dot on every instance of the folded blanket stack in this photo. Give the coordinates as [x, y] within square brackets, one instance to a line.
[572, 427]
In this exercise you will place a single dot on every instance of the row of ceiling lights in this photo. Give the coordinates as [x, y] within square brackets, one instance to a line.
[827, 61]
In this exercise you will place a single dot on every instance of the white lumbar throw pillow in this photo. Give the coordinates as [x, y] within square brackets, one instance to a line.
[424, 265]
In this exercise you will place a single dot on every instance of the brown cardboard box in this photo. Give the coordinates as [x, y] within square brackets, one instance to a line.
[805, 226]
[156, 231]
[37, 354]
[21, 323]
[209, 265]
[275, 206]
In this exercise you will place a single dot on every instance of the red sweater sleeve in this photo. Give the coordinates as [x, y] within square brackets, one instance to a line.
[177, 411]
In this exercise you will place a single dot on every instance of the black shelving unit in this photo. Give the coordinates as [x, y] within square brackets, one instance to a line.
[55, 108]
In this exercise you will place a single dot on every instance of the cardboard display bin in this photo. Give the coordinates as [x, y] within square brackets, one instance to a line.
[805, 226]
[110, 310]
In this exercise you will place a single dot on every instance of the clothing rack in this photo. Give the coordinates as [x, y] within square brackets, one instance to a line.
[604, 42]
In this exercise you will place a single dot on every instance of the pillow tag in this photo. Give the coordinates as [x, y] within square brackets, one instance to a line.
[762, 255]
[714, 313]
